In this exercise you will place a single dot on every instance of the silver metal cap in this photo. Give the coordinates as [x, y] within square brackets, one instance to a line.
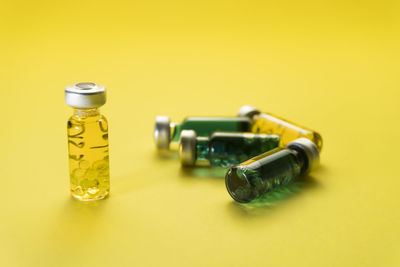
[248, 111]
[187, 148]
[162, 132]
[310, 149]
[85, 95]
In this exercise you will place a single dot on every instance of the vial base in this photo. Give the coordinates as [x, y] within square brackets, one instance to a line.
[87, 197]
[252, 179]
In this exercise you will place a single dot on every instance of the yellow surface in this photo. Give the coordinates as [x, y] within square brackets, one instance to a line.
[331, 66]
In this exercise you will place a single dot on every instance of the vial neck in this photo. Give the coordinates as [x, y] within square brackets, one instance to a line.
[302, 160]
[176, 128]
[86, 112]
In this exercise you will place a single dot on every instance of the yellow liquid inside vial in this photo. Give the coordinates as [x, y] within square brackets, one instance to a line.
[270, 124]
[88, 155]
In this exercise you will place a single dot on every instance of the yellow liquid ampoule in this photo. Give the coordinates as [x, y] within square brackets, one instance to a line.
[88, 142]
[271, 124]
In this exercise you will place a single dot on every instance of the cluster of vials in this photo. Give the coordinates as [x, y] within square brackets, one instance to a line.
[261, 151]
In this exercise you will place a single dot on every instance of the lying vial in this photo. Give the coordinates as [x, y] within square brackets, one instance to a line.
[88, 142]
[271, 124]
[166, 132]
[223, 149]
[257, 176]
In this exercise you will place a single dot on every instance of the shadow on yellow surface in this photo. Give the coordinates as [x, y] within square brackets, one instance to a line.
[203, 172]
[85, 211]
[167, 155]
[82, 219]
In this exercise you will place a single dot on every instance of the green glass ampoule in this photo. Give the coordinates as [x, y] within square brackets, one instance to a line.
[223, 149]
[252, 179]
[88, 142]
[271, 124]
[166, 132]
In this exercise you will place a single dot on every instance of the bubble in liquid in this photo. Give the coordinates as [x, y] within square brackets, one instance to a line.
[84, 164]
[91, 174]
[103, 179]
[89, 183]
[73, 180]
[101, 166]
[78, 190]
[93, 190]
[78, 173]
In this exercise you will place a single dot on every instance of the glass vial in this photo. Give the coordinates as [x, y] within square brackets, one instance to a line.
[88, 142]
[166, 132]
[271, 124]
[257, 176]
[223, 149]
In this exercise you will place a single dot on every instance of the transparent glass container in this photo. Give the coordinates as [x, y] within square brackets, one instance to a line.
[88, 149]
[272, 124]
[88, 155]
[255, 177]
[166, 132]
[223, 149]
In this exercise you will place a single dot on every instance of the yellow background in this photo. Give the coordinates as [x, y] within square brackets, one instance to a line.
[330, 65]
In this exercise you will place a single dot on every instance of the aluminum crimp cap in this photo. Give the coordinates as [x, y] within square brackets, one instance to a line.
[187, 148]
[309, 148]
[85, 95]
[248, 111]
[162, 132]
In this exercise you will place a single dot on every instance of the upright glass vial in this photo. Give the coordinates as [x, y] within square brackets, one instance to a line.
[223, 149]
[166, 132]
[271, 124]
[257, 176]
[88, 142]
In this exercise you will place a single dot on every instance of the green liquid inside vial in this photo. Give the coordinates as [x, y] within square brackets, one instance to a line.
[88, 155]
[202, 148]
[205, 126]
[228, 149]
[254, 178]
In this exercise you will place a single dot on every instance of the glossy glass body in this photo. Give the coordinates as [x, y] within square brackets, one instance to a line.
[227, 149]
[88, 155]
[259, 175]
[205, 126]
[289, 131]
